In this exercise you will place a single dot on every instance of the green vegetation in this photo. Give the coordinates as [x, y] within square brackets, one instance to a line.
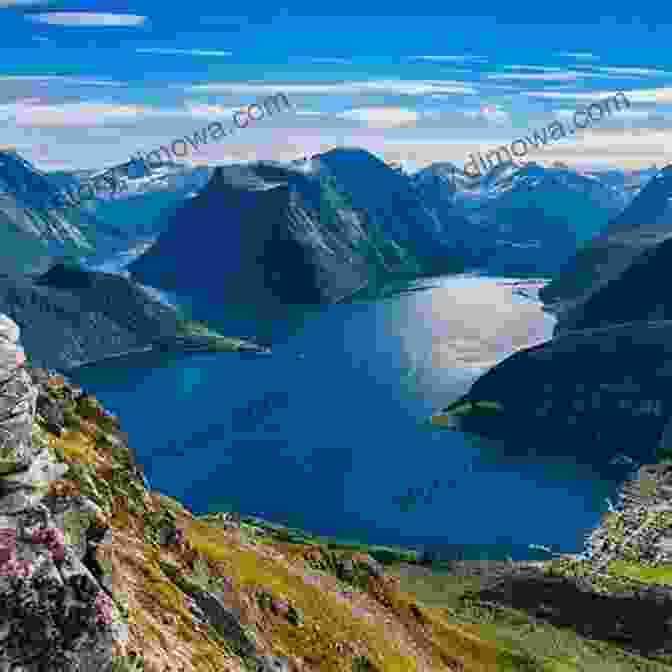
[383, 554]
[525, 642]
[194, 328]
[661, 574]
[664, 455]
[214, 341]
[128, 664]
[363, 664]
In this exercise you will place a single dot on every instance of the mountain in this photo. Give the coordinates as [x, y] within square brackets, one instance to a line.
[442, 189]
[31, 231]
[638, 294]
[629, 182]
[269, 234]
[430, 230]
[646, 222]
[139, 205]
[535, 216]
[72, 316]
[607, 389]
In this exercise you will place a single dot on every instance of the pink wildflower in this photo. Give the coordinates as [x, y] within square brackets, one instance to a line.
[7, 545]
[21, 569]
[53, 539]
[103, 606]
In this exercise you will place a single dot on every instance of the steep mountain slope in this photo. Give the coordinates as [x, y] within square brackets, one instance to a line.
[606, 389]
[429, 231]
[646, 222]
[639, 293]
[447, 194]
[32, 230]
[135, 210]
[71, 316]
[269, 234]
[536, 216]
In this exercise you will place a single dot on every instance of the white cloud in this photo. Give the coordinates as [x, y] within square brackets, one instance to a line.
[556, 76]
[88, 19]
[644, 72]
[580, 55]
[61, 79]
[394, 86]
[576, 95]
[184, 52]
[28, 112]
[334, 60]
[310, 113]
[205, 111]
[381, 117]
[542, 68]
[490, 113]
[69, 114]
[449, 59]
[659, 95]
[622, 114]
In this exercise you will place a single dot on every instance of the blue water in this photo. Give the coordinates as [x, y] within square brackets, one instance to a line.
[332, 442]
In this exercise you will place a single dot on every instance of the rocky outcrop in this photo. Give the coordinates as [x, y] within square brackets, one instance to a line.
[639, 619]
[618, 589]
[54, 614]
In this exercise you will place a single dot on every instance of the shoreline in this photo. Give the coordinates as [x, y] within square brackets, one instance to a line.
[175, 348]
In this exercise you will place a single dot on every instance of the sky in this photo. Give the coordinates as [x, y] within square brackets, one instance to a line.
[90, 84]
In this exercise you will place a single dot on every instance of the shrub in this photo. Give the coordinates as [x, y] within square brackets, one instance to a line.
[664, 454]
[130, 663]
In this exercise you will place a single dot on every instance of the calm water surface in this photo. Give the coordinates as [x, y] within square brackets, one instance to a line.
[335, 442]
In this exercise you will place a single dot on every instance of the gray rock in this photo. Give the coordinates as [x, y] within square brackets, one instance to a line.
[52, 413]
[50, 602]
[272, 664]
[224, 621]
[9, 330]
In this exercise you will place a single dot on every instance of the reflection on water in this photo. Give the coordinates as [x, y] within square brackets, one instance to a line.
[349, 453]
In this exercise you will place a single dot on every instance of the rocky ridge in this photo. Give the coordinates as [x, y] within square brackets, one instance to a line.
[54, 613]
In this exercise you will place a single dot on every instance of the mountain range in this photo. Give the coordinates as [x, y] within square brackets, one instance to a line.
[319, 229]
[535, 215]
[306, 232]
[523, 219]
[646, 222]
[605, 374]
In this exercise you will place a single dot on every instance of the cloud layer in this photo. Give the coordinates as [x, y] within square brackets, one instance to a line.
[87, 19]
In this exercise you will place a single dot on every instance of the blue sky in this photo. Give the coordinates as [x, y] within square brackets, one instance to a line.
[88, 84]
